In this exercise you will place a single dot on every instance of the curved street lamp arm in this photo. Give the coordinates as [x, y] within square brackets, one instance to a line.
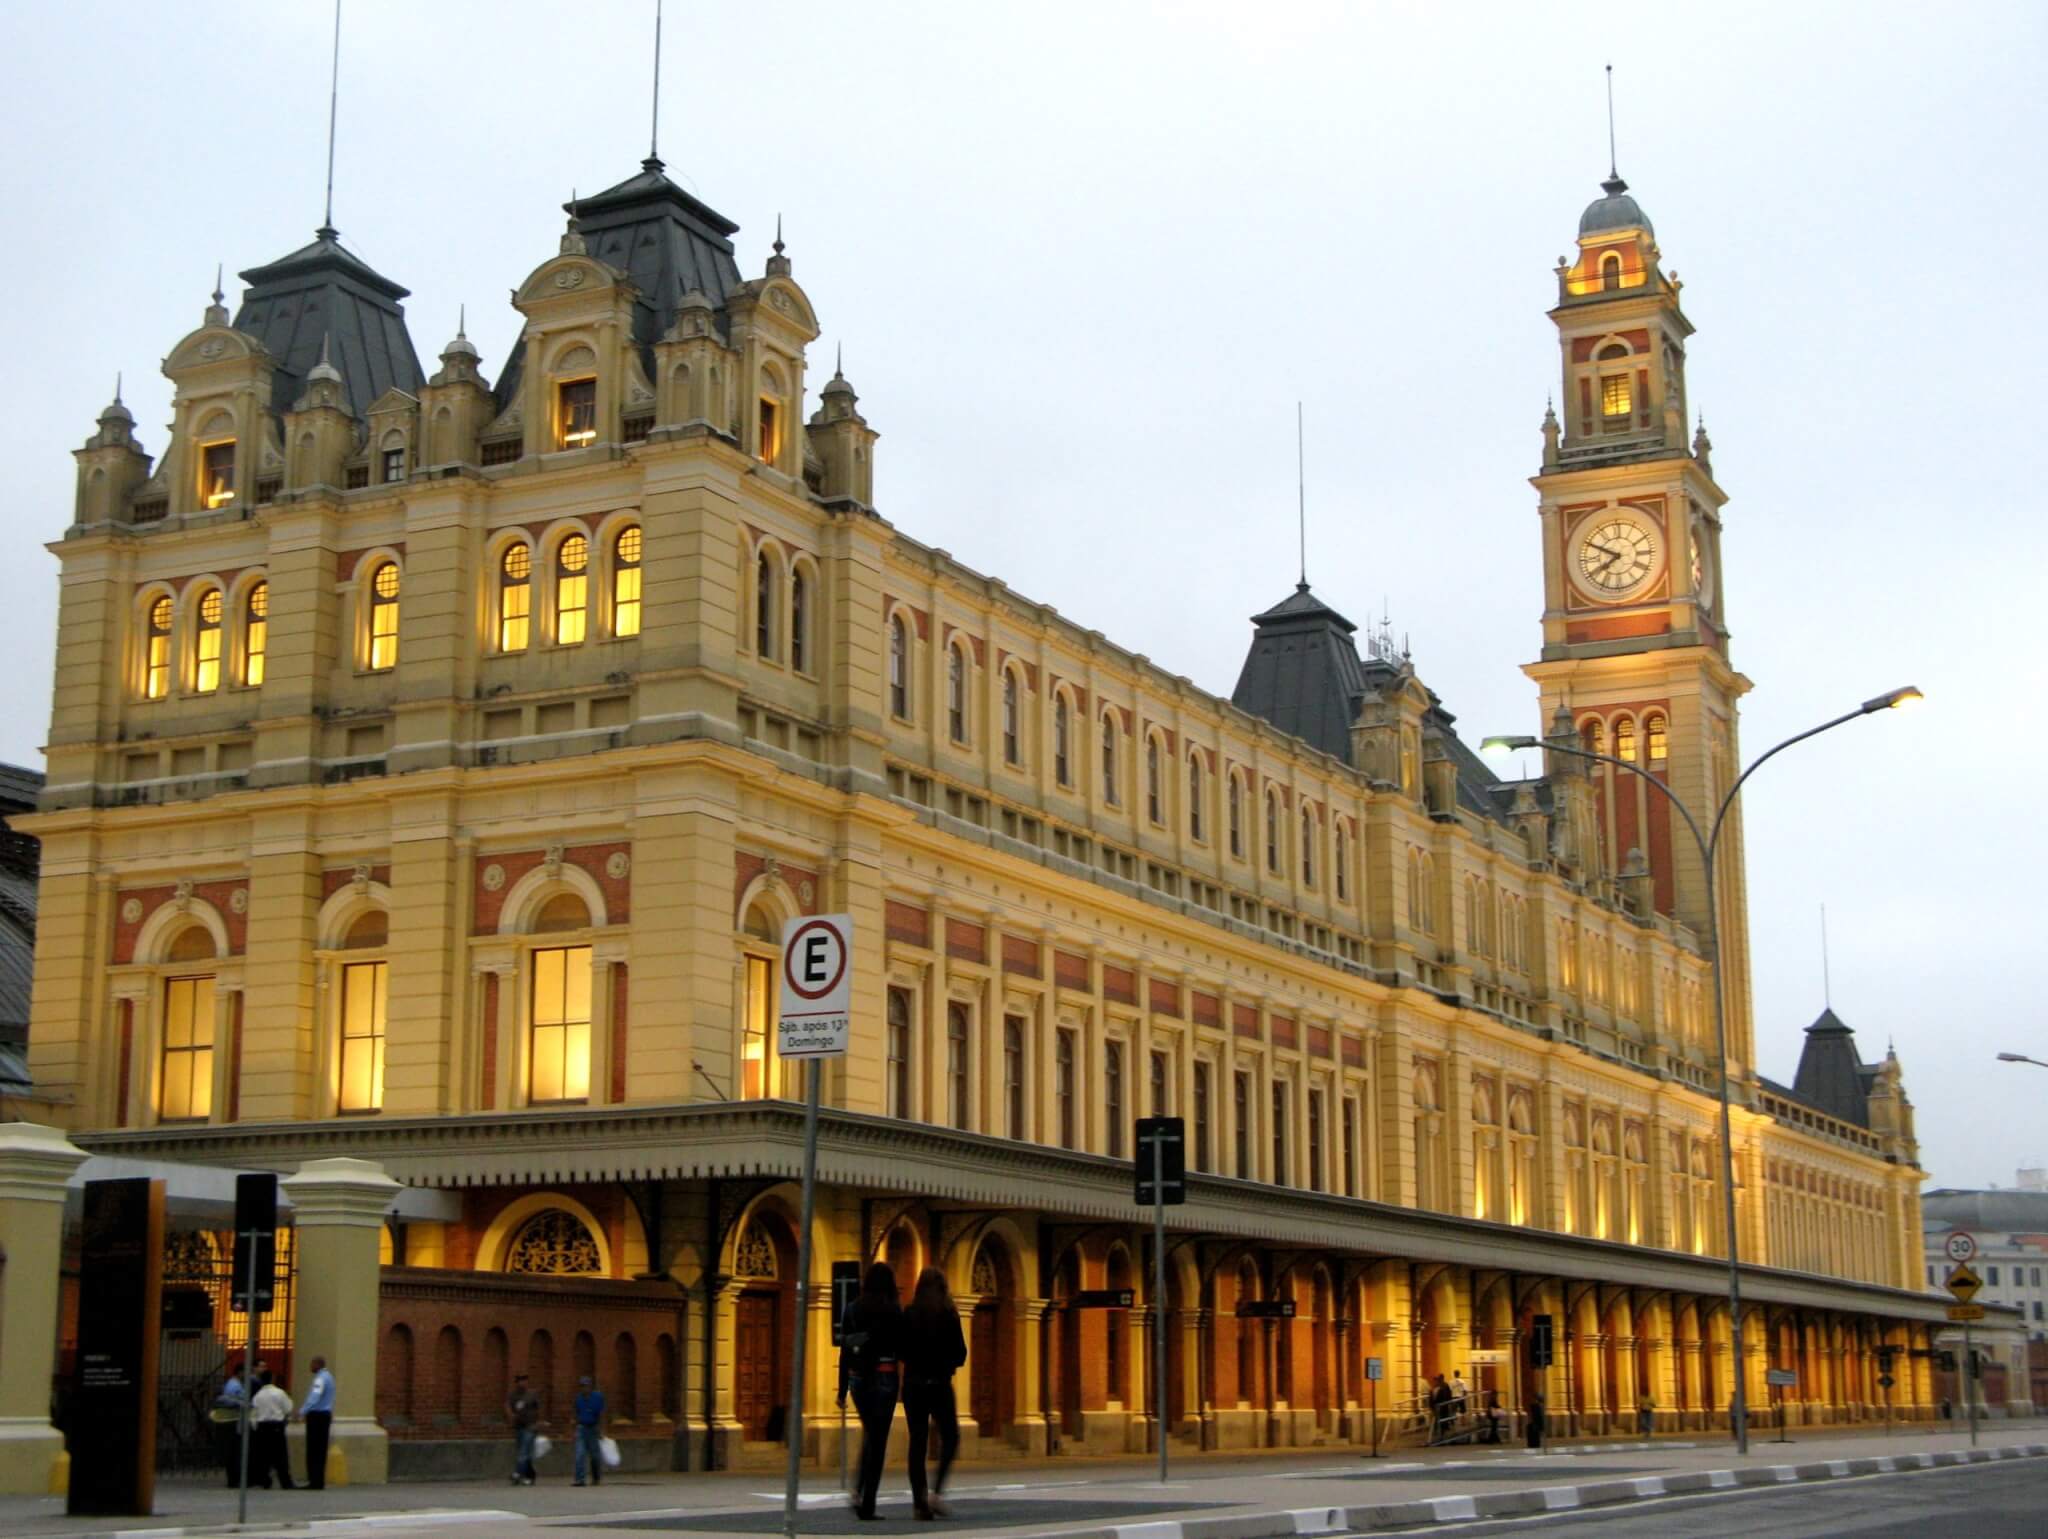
[1728, 801]
[1636, 769]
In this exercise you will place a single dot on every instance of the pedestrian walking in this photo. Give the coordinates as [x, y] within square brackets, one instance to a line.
[1461, 1396]
[522, 1410]
[933, 1350]
[1496, 1418]
[870, 1364]
[1538, 1414]
[589, 1428]
[268, 1412]
[1440, 1409]
[1646, 1416]
[226, 1417]
[318, 1415]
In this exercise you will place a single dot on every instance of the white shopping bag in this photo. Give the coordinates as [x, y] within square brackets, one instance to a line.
[608, 1450]
[542, 1447]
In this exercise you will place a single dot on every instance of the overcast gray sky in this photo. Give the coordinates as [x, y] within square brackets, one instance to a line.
[1084, 260]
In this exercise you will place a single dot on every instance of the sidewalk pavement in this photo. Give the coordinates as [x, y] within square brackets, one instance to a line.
[1255, 1496]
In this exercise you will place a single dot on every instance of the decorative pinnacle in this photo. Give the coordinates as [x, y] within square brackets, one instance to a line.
[461, 319]
[778, 235]
[838, 362]
[218, 295]
[117, 387]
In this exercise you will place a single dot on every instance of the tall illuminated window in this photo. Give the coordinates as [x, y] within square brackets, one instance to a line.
[572, 590]
[187, 1089]
[156, 666]
[1113, 1096]
[217, 474]
[363, 991]
[515, 598]
[561, 1024]
[957, 1020]
[1013, 1075]
[1660, 744]
[626, 582]
[754, 1028]
[1625, 740]
[898, 1081]
[206, 644]
[799, 621]
[256, 635]
[384, 616]
[771, 430]
[899, 669]
[576, 412]
[1615, 401]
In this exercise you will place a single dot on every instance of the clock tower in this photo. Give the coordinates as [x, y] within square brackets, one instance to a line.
[1635, 639]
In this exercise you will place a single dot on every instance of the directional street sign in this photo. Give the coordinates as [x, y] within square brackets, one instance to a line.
[1103, 1298]
[1960, 1246]
[1966, 1312]
[1780, 1378]
[1964, 1283]
[817, 986]
[1170, 1135]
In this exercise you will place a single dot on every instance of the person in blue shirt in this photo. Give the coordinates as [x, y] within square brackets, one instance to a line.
[589, 1428]
[227, 1426]
[318, 1415]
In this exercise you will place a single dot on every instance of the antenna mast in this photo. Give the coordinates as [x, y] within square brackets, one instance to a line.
[1826, 989]
[654, 127]
[1301, 490]
[333, 97]
[1611, 162]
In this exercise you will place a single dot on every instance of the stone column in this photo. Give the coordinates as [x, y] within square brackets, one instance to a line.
[35, 1163]
[1027, 1427]
[338, 1208]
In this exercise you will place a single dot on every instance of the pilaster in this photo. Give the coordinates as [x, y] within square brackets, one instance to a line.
[35, 1164]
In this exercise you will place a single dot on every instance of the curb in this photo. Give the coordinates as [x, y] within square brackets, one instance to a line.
[428, 1517]
[1534, 1502]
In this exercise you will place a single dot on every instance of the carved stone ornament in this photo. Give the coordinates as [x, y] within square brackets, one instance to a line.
[553, 862]
[553, 1243]
[617, 865]
[494, 877]
[806, 892]
[183, 900]
[360, 878]
[570, 278]
[131, 911]
[772, 869]
[212, 348]
[238, 900]
[780, 299]
[984, 1281]
[754, 1255]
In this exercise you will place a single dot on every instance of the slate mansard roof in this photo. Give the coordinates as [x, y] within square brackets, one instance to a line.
[325, 295]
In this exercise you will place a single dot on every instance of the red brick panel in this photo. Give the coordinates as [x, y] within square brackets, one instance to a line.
[1283, 1031]
[1353, 1049]
[968, 942]
[490, 1031]
[1319, 1041]
[1165, 998]
[1120, 984]
[905, 923]
[591, 859]
[1207, 1009]
[345, 561]
[219, 894]
[1070, 970]
[1020, 955]
[1245, 1020]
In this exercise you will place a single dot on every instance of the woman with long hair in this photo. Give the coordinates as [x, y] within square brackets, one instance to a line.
[870, 1362]
[933, 1350]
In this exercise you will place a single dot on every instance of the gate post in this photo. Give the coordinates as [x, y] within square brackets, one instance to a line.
[338, 1207]
[35, 1164]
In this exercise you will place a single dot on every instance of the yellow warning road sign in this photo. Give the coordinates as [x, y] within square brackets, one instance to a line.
[1964, 1283]
[1966, 1312]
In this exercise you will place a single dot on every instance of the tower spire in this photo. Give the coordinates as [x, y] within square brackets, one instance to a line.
[1612, 163]
[653, 160]
[327, 230]
[1301, 490]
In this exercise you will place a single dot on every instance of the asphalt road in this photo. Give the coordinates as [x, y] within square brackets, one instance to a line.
[1996, 1501]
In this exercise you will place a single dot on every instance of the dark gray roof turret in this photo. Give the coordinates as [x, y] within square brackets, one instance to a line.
[1616, 211]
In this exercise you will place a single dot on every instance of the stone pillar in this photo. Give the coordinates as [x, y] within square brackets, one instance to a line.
[1027, 1427]
[35, 1163]
[338, 1208]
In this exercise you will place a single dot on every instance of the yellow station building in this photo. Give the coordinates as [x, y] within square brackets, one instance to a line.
[435, 760]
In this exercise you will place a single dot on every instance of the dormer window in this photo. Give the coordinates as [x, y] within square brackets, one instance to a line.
[771, 430]
[394, 465]
[1610, 271]
[217, 474]
[576, 412]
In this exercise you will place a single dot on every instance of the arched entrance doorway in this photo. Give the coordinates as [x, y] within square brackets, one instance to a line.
[1067, 1283]
[991, 1352]
[764, 1321]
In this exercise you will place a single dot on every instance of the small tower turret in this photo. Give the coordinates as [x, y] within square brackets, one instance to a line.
[320, 432]
[110, 466]
[844, 444]
[455, 405]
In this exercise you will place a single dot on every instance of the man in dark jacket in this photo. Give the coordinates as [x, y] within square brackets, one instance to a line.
[870, 1364]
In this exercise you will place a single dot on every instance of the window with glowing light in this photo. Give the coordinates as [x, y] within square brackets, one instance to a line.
[384, 616]
[560, 1038]
[187, 1085]
[572, 590]
[771, 430]
[363, 994]
[755, 1027]
[626, 582]
[256, 634]
[576, 412]
[1659, 740]
[206, 644]
[1625, 740]
[1615, 401]
[156, 667]
[217, 474]
[515, 598]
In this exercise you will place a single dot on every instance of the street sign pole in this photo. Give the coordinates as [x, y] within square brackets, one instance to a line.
[803, 1301]
[1159, 1298]
[248, 1378]
[1970, 1381]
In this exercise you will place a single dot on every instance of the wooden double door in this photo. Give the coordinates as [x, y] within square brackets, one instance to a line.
[758, 1371]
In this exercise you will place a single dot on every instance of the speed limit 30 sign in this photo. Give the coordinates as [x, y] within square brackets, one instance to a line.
[1960, 1246]
[817, 986]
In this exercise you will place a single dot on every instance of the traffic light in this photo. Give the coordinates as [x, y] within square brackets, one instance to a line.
[1540, 1345]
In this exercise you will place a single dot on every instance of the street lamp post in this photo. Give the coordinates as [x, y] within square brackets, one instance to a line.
[2021, 1058]
[1709, 843]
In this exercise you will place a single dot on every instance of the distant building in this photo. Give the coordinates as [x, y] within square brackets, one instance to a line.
[20, 857]
[2011, 1231]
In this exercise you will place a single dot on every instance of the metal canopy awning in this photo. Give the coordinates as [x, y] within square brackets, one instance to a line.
[204, 1195]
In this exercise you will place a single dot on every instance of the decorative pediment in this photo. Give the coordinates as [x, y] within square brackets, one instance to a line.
[786, 299]
[566, 275]
[394, 400]
[777, 297]
[212, 344]
[510, 420]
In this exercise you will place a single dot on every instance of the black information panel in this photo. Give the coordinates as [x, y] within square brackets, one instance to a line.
[845, 1289]
[120, 1321]
[1169, 1136]
[255, 1230]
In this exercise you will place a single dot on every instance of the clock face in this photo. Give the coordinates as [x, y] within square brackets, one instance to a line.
[1616, 556]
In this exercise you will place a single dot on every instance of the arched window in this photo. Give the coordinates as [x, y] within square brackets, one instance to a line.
[1308, 847]
[363, 992]
[1155, 793]
[1109, 759]
[572, 590]
[626, 582]
[899, 668]
[799, 620]
[1012, 749]
[1610, 271]
[1593, 736]
[1194, 796]
[515, 597]
[217, 472]
[1062, 725]
[206, 643]
[255, 634]
[1340, 863]
[186, 1094]
[384, 616]
[1237, 817]
[554, 1243]
[764, 606]
[956, 694]
[1273, 831]
[559, 1039]
[1659, 742]
[156, 663]
[1625, 740]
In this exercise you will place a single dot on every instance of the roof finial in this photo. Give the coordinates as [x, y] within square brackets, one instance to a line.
[218, 269]
[838, 361]
[1612, 173]
[462, 319]
[327, 230]
[117, 387]
[1301, 490]
[778, 235]
[653, 160]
